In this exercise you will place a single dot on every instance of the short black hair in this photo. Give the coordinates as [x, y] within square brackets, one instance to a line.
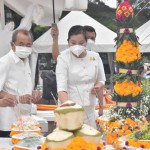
[89, 29]
[24, 31]
[77, 29]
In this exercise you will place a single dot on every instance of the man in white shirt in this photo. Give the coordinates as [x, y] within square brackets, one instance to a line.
[15, 79]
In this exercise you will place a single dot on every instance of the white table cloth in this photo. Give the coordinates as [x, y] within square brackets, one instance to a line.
[5, 143]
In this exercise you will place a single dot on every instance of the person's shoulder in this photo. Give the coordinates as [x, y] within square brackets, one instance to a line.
[65, 53]
[7, 59]
[95, 54]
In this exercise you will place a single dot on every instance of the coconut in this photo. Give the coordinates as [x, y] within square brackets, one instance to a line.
[69, 116]
[89, 134]
[59, 138]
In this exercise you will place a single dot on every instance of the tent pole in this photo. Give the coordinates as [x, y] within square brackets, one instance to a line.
[2, 14]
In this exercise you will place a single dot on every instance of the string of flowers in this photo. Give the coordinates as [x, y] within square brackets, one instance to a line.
[78, 143]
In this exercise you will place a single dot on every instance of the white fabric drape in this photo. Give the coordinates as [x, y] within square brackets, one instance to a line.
[43, 12]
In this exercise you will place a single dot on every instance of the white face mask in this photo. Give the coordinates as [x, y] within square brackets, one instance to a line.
[22, 51]
[77, 49]
[90, 45]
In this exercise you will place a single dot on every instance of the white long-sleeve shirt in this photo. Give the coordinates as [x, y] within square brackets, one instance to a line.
[77, 76]
[15, 78]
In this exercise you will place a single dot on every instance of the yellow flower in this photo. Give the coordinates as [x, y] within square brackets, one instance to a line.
[127, 52]
[126, 88]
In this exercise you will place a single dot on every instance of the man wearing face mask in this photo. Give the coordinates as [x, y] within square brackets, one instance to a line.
[15, 79]
[90, 35]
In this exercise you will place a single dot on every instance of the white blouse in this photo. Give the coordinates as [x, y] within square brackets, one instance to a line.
[77, 76]
[15, 78]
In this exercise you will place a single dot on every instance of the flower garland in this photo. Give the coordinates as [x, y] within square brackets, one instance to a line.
[138, 143]
[127, 52]
[118, 128]
[78, 143]
[126, 88]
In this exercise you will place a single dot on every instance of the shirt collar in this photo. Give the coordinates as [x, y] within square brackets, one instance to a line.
[16, 58]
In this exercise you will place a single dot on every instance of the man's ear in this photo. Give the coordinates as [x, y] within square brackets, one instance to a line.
[12, 46]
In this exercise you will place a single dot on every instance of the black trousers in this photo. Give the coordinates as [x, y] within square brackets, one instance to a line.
[4, 134]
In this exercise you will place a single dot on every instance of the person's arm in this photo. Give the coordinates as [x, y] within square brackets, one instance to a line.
[62, 78]
[55, 48]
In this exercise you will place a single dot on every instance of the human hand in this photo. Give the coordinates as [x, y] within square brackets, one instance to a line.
[8, 100]
[26, 99]
[96, 88]
[36, 94]
[54, 31]
[100, 112]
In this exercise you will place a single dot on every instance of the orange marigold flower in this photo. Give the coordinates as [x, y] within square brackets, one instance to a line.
[120, 133]
[126, 88]
[128, 132]
[127, 52]
[125, 127]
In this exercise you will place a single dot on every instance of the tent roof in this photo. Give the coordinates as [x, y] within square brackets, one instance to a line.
[143, 33]
[104, 39]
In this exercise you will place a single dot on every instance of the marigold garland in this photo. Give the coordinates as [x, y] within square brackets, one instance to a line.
[126, 88]
[138, 143]
[78, 143]
[127, 52]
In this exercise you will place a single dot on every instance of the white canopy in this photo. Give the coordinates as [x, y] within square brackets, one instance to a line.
[143, 33]
[104, 36]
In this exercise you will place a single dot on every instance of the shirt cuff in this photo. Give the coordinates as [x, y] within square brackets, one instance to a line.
[103, 82]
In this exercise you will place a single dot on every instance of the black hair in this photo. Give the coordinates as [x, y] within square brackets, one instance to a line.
[89, 29]
[77, 29]
[24, 31]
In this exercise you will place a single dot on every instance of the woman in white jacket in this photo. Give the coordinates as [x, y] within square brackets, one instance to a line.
[80, 74]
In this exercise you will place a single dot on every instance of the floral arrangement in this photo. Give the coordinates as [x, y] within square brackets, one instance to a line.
[78, 143]
[139, 139]
[119, 128]
[128, 87]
